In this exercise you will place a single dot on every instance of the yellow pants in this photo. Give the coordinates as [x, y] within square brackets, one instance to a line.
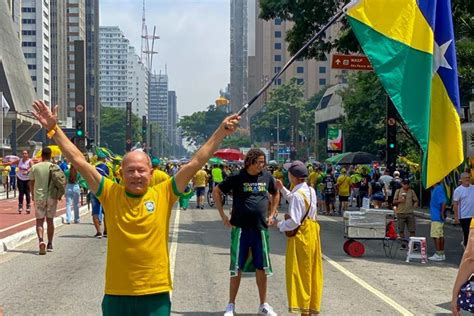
[304, 269]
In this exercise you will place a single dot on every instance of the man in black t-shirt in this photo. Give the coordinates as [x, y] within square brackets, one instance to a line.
[249, 220]
[329, 182]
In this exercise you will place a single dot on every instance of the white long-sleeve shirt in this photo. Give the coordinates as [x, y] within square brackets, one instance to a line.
[297, 207]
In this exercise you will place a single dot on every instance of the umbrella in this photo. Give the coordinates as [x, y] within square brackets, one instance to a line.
[9, 158]
[184, 160]
[335, 159]
[357, 158]
[55, 151]
[229, 154]
[216, 161]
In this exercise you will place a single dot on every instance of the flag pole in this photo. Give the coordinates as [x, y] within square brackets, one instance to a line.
[298, 53]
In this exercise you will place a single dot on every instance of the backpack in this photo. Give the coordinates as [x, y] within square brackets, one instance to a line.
[329, 185]
[56, 182]
[395, 184]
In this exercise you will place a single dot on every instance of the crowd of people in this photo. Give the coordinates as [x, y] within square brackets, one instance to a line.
[135, 198]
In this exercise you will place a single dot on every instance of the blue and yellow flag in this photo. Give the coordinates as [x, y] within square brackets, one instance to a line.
[410, 44]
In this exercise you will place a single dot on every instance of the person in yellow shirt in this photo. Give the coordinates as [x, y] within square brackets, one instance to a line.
[343, 185]
[137, 273]
[313, 177]
[158, 176]
[199, 184]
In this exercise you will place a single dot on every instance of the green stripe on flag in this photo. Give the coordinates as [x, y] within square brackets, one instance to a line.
[405, 74]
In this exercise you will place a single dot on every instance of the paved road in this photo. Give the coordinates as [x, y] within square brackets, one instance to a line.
[69, 281]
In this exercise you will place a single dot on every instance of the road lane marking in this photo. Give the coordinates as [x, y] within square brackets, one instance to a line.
[368, 287]
[174, 243]
[25, 222]
[364, 284]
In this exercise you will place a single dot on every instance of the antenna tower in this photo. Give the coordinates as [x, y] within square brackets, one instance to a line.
[147, 50]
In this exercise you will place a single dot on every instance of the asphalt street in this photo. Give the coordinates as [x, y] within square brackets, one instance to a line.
[70, 281]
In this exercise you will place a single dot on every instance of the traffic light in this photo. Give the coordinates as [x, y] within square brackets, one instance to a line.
[391, 134]
[79, 128]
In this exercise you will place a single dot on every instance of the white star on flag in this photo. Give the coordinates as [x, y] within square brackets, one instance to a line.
[439, 58]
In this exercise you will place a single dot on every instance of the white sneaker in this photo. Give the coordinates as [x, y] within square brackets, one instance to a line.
[266, 309]
[229, 310]
[437, 257]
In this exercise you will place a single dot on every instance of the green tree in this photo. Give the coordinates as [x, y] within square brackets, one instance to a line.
[308, 18]
[199, 126]
[112, 131]
[285, 105]
[364, 121]
[236, 141]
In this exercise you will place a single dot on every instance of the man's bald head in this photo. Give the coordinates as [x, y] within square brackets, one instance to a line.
[135, 156]
[136, 172]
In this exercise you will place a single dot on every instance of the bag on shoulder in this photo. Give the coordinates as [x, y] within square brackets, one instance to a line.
[292, 233]
[56, 182]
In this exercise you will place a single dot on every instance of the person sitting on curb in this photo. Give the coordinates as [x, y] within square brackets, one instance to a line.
[137, 276]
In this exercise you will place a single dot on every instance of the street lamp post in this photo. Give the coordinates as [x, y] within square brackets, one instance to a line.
[278, 136]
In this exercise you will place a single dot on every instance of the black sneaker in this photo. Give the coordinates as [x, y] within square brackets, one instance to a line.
[104, 234]
[98, 235]
[49, 247]
[28, 210]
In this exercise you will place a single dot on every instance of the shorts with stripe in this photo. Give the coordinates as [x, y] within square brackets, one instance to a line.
[249, 251]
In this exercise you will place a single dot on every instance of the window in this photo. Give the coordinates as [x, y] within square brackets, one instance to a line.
[31, 66]
[322, 82]
[28, 32]
[277, 21]
[299, 70]
[28, 9]
[277, 45]
[30, 55]
[278, 34]
[322, 70]
[277, 57]
[28, 44]
[33, 78]
[28, 21]
[277, 69]
[46, 59]
[299, 81]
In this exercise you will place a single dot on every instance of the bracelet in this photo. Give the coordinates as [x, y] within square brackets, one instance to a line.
[52, 131]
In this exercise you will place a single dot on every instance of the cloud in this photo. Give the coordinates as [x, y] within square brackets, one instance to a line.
[194, 43]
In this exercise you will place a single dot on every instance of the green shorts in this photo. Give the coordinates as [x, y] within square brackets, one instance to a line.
[122, 305]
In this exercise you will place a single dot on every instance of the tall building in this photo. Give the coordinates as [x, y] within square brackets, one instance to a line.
[113, 72]
[137, 83]
[238, 55]
[172, 120]
[76, 30]
[92, 72]
[59, 56]
[158, 105]
[35, 34]
[122, 75]
[269, 53]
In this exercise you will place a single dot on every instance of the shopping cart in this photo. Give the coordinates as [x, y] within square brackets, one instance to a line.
[369, 224]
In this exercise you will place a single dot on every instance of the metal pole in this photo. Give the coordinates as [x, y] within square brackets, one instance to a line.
[278, 137]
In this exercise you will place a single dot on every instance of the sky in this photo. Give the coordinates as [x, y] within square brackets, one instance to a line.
[194, 43]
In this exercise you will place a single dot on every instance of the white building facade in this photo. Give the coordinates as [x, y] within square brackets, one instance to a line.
[113, 67]
[137, 83]
[35, 35]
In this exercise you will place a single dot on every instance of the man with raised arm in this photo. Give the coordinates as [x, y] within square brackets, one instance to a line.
[137, 276]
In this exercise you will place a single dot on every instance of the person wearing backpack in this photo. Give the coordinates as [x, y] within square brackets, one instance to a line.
[329, 192]
[45, 183]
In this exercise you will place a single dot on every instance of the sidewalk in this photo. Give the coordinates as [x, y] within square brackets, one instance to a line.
[16, 229]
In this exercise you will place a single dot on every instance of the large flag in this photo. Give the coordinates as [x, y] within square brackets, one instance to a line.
[410, 44]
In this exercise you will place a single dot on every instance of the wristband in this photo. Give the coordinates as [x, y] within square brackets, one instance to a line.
[52, 131]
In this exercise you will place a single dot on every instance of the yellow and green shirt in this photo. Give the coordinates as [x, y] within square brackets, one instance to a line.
[137, 246]
[158, 176]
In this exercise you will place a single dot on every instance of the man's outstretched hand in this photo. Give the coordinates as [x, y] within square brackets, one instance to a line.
[44, 115]
[230, 124]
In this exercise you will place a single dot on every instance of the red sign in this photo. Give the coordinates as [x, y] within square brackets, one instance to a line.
[350, 62]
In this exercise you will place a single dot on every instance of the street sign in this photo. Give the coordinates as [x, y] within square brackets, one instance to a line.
[350, 62]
